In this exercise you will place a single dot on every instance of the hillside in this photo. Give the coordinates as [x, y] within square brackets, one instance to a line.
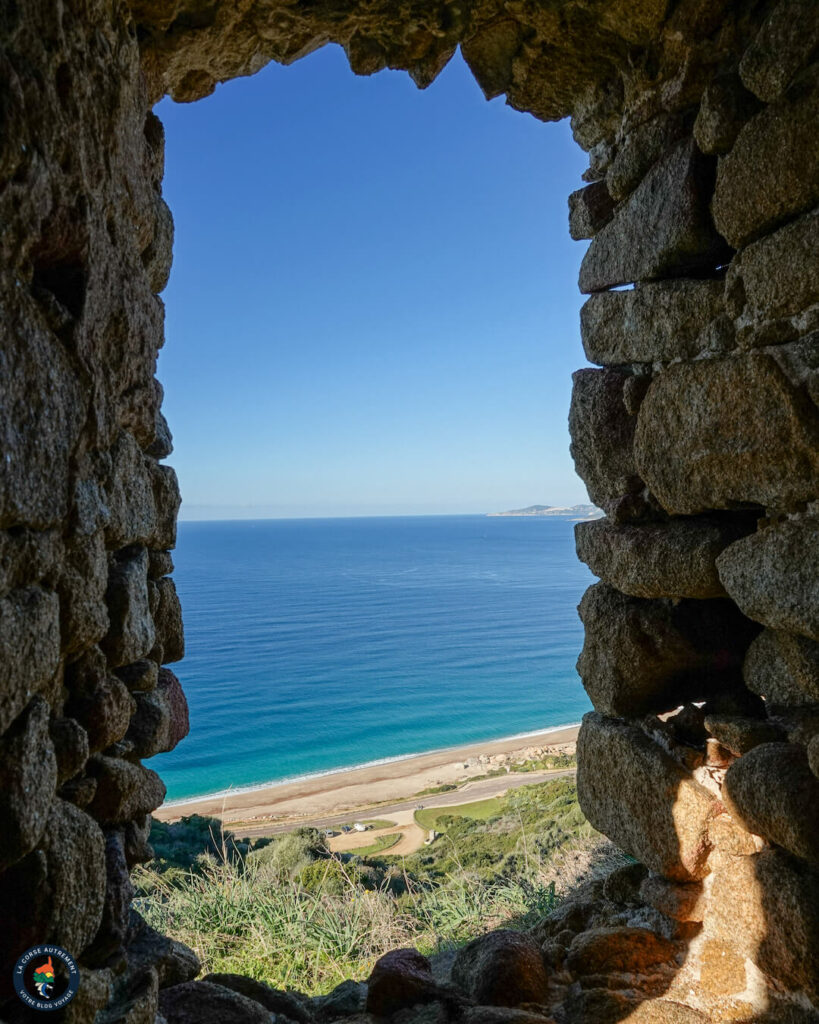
[576, 511]
[288, 912]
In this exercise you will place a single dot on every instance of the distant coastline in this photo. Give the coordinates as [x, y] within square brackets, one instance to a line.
[576, 511]
[392, 778]
[269, 703]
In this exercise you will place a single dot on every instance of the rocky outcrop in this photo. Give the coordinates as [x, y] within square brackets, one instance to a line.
[602, 951]
[400, 980]
[697, 434]
[272, 999]
[203, 1002]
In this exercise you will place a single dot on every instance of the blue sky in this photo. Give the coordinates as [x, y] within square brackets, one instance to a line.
[373, 307]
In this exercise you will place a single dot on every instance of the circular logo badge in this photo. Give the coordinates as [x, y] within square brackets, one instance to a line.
[46, 977]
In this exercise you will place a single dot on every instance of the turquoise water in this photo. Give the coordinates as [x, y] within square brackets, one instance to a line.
[319, 644]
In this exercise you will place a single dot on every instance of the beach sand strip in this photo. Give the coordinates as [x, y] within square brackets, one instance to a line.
[368, 786]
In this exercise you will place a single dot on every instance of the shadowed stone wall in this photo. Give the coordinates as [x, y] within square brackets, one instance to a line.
[697, 435]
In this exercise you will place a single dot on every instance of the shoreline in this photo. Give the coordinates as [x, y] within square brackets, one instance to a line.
[365, 785]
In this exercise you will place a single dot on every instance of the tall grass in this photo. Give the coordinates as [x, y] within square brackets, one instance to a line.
[240, 918]
[291, 914]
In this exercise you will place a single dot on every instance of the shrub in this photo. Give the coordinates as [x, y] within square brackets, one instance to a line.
[325, 876]
[287, 856]
[295, 916]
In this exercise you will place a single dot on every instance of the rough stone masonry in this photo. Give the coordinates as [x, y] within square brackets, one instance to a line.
[697, 433]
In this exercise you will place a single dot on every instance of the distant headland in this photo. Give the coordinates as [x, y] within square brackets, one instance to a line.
[576, 511]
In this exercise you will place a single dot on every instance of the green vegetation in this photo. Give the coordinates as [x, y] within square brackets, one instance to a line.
[478, 810]
[313, 936]
[192, 844]
[527, 828]
[447, 787]
[288, 912]
[547, 763]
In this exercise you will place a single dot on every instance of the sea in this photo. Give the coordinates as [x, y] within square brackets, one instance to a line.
[318, 645]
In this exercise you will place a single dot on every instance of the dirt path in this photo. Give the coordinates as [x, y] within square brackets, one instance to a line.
[383, 783]
[412, 839]
[402, 814]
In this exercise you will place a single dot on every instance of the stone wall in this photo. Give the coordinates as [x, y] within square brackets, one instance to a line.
[88, 611]
[697, 435]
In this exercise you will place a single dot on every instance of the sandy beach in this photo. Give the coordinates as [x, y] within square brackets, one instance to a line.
[358, 788]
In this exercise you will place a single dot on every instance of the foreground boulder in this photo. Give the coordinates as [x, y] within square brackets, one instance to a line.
[202, 1002]
[400, 979]
[502, 1015]
[622, 950]
[503, 968]
[600, 1006]
[346, 1000]
[174, 962]
[270, 998]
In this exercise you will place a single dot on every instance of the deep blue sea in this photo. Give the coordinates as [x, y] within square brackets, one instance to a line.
[320, 644]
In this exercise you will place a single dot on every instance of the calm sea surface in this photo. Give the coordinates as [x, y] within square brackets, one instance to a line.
[319, 644]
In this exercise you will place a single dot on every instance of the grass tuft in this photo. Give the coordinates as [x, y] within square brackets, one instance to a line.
[290, 913]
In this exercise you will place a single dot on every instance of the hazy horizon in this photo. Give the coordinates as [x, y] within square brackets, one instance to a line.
[239, 513]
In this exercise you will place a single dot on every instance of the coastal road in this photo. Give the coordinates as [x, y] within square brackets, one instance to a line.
[468, 793]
